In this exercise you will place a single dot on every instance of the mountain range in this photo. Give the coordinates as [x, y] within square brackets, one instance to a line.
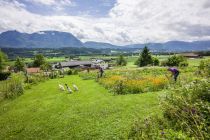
[42, 39]
[56, 39]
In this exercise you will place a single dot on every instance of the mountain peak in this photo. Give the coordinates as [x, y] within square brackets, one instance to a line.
[41, 39]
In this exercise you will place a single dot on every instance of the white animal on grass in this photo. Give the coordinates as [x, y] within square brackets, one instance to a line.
[61, 87]
[75, 87]
[68, 89]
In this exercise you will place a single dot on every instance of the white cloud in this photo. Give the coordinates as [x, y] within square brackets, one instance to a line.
[128, 21]
[155, 19]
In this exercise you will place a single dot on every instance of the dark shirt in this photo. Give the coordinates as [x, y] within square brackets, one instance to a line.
[101, 70]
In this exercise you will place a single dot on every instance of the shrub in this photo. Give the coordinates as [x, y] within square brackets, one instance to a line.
[19, 64]
[12, 87]
[204, 67]
[46, 66]
[121, 61]
[164, 63]
[154, 128]
[186, 112]
[3, 60]
[189, 110]
[4, 75]
[53, 75]
[35, 78]
[75, 72]
[69, 72]
[39, 60]
[183, 64]
[72, 72]
[119, 87]
[175, 60]
[156, 61]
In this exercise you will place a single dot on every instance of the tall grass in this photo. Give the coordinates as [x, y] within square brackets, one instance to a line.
[186, 115]
[12, 87]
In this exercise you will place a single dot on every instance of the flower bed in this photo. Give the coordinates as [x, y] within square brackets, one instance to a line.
[130, 81]
[124, 85]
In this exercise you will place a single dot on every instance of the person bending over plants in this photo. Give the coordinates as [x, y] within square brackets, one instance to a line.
[175, 73]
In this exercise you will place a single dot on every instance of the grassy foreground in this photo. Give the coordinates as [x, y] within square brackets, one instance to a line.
[45, 112]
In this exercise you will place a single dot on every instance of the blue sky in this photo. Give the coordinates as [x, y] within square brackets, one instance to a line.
[118, 22]
[95, 8]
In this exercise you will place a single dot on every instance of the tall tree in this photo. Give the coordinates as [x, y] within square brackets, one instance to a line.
[121, 61]
[19, 64]
[46, 66]
[39, 60]
[145, 58]
[3, 60]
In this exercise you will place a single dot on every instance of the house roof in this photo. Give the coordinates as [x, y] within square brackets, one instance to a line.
[75, 63]
[33, 70]
[98, 61]
[190, 54]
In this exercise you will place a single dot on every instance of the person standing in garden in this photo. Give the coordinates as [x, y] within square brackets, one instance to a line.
[101, 71]
[175, 73]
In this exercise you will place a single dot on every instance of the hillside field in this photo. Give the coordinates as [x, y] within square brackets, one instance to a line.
[45, 112]
[94, 112]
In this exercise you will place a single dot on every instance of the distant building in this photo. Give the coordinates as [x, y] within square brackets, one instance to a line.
[33, 70]
[100, 63]
[74, 64]
[104, 59]
[191, 55]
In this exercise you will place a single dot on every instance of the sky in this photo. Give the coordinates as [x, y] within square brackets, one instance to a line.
[119, 22]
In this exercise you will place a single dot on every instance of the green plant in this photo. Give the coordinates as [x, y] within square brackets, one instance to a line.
[121, 61]
[39, 60]
[132, 84]
[75, 71]
[188, 109]
[4, 75]
[69, 72]
[53, 75]
[183, 64]
[19, 64]
[3, 60]
[12, 87]
[145, 58]
[35, 78]
[119, 87]
[164, 63]
[156, 61]
[186, 112]
[46, 66]
[204, 67]
[176, 60]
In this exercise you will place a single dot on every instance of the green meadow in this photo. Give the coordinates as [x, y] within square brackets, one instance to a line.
[45, 112]
[93, 112]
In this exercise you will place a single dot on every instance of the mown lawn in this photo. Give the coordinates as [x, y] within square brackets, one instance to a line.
[44, 112]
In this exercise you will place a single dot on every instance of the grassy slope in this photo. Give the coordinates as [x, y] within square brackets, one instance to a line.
[44, 112]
